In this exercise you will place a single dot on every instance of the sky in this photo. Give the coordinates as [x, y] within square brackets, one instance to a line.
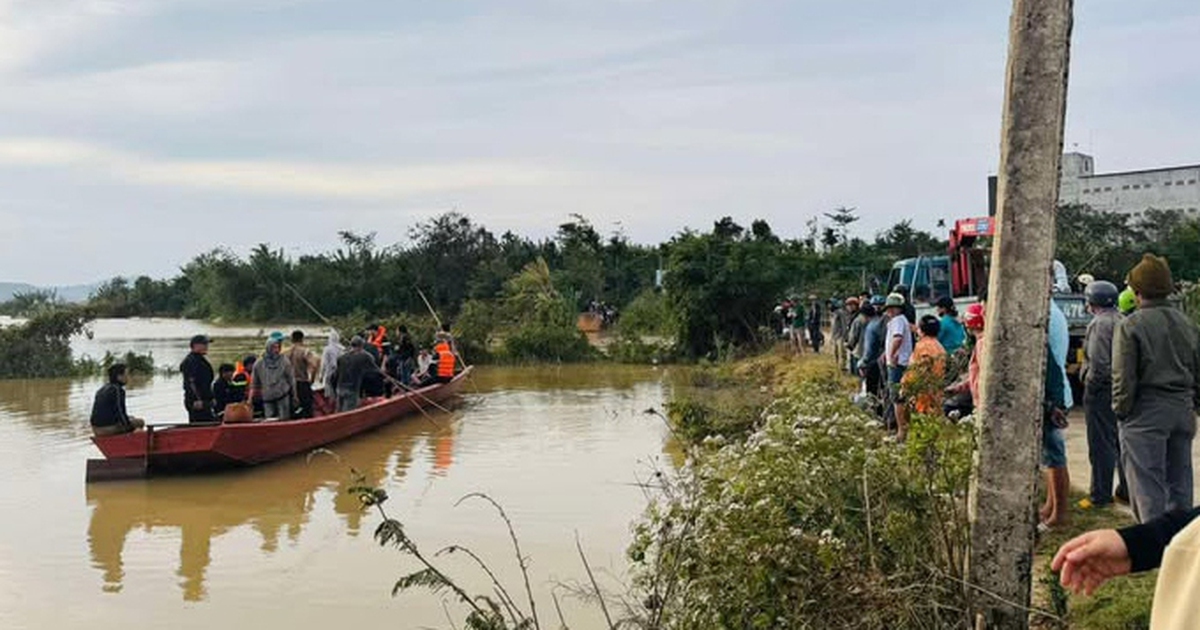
[135, 134]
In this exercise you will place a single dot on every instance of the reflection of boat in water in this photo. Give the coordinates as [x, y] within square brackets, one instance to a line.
[275, 501]
[216, 446]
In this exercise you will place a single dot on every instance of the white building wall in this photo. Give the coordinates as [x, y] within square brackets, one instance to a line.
[1130, 192]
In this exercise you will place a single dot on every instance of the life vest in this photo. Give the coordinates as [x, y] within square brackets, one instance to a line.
[445, 362]
[378, 338]
[241, 376]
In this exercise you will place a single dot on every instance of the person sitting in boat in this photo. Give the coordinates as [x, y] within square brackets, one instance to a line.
[109, 416]
[243, 378]
[424, 360]
[225, 392]
[352, 368]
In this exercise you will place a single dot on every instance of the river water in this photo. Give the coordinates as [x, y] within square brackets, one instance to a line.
[283, 545]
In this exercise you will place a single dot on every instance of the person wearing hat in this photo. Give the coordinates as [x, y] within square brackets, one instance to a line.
[899, 353]
[274, 381]
[964, 394]
[1156, 392]
[197, 382]
[870, 350]
[1104, 451]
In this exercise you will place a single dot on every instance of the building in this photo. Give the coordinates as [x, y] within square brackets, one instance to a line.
[1129, 192]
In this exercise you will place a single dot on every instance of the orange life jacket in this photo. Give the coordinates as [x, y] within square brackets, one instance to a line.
[377, 339]
[445, 364]
[240, 371]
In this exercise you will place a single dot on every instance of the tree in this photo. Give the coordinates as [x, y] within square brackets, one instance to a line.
[843, 218]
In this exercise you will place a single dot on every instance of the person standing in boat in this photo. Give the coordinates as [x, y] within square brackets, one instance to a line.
[329, 360]
[109, 416]
[405, 357]
[197, 382]
[352, 368]
[305, 366]
[274, 381]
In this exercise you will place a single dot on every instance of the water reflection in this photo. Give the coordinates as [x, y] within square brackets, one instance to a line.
[274, 500]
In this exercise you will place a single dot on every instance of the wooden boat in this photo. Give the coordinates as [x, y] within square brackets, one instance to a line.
[197, 448]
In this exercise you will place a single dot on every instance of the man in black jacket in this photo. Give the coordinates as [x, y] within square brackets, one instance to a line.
[197, 382]
[109, 416]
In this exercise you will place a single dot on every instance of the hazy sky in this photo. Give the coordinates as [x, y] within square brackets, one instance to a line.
[135, 134]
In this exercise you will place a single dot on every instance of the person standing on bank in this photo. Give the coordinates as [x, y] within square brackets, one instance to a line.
[899, 354]
[305, 366]
[109, 416]
[274, 381]
[197, 382]
[1104, 449]
[1156, 391]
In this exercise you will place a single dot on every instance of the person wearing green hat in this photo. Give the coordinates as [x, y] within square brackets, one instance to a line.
[1127, 301]
[1156, 391]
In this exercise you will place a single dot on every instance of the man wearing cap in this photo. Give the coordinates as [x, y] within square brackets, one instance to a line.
[197, 382]
[899, 353]
[1156, 391]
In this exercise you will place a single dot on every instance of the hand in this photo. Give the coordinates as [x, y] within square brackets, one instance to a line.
[1088, 561]
[198, 405]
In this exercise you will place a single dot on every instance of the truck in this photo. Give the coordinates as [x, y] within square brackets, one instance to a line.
[962, 273]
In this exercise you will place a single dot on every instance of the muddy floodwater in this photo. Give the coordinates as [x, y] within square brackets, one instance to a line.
[283, 545]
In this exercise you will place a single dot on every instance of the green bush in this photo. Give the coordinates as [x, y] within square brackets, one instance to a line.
[813, 521]
[41, 347]
[540, 321]
[134, 362]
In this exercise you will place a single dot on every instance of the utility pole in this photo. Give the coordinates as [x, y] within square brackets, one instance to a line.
[1003, 491]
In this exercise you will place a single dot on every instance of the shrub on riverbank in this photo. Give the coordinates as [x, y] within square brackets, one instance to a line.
[41, 347]
[812, 521]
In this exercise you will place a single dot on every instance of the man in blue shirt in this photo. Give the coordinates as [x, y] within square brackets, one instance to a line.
[871, 349]
[951, 335]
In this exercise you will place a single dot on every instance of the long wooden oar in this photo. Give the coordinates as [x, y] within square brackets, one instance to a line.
[438, 320]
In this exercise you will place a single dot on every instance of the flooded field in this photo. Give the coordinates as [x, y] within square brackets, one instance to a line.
[283, 545]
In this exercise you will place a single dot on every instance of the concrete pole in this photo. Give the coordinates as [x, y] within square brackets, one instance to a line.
[1003, 493]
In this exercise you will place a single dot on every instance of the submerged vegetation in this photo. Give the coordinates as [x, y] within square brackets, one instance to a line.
[40, 347]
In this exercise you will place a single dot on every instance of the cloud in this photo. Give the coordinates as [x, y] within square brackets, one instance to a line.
[280, 178]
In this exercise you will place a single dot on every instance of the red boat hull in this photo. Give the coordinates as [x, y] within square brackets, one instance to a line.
[181, 449]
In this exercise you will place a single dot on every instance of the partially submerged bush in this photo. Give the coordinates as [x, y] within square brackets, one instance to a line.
[41, 347]
[134, 362]
[814, 521]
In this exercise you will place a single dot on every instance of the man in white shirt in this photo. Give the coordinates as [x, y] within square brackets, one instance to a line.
[899, 352]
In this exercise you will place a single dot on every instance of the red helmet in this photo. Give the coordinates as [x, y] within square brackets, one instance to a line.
[974, 316]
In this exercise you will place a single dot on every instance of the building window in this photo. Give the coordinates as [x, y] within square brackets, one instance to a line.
[1167, 184]
[1191, 181]
[1125, 187]
[1108, 189]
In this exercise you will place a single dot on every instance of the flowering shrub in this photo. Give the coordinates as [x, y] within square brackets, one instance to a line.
[813, 521]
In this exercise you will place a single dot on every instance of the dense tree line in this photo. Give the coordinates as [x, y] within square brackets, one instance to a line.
[720, 285]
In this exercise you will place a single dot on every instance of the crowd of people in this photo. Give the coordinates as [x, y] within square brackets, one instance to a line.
[1140, 379]
[281, 385]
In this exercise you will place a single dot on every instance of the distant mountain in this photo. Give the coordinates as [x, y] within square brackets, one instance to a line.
[70, 293]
